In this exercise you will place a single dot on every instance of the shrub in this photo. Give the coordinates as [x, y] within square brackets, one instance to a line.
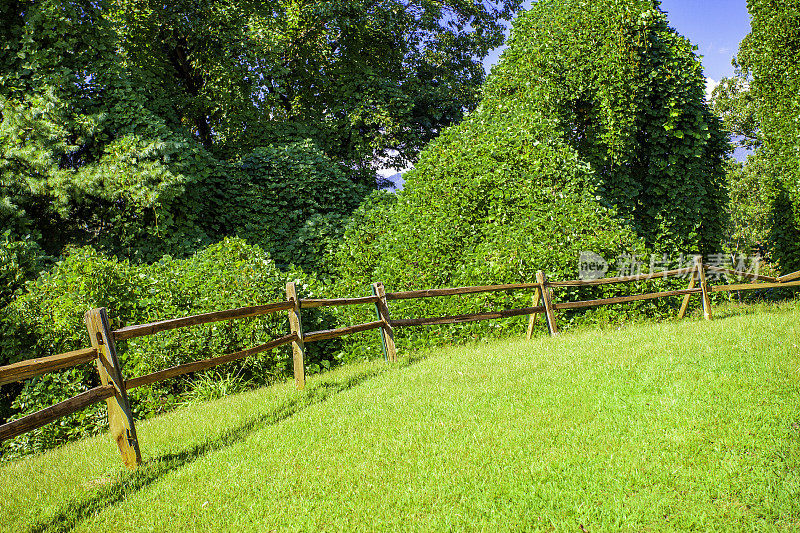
[485, 223]
[48, 319]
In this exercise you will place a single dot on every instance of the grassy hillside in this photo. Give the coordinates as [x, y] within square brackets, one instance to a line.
[676, 425]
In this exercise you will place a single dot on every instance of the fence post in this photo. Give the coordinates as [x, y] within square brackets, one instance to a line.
[296, 327]
[685, 304]
[120, 417]
[548, 303]
[701, 275]
[537, 295]
[386, 331]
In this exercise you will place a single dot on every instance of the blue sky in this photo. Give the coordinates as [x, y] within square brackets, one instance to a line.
[715, 26]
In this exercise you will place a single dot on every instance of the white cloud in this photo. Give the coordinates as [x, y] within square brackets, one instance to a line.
[710, 85]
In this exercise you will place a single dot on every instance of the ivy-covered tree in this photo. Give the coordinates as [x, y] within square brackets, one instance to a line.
[625, 91]
[594, 120]
[593, 134]
[770, 55]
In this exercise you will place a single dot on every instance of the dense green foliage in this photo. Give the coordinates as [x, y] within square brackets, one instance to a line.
[48, 319]
[475, 212]
[748, 185]
[298, 200]
[749, 207]
[361, 78]
[625, 91]
[770, 60]
[155, 133]
[126, 124]
[734, 102]
[151, 132]
[593, 134]
[20, 260]
[677, 426]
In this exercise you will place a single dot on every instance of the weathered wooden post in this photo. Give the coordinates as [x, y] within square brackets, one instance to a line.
[701, 275]
[686, 298]
[537, 296]
[548, 303]
[386, 331]
[296, 327]
[120, 417]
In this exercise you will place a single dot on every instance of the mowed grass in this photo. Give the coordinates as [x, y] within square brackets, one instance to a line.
[678, 425]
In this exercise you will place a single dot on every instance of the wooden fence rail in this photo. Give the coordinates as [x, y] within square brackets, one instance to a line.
[36, 367]
[142, 330]
[752, 286]
[114, 386]
[458, 319]
[205, 364]
[624, 299]
[54, 412]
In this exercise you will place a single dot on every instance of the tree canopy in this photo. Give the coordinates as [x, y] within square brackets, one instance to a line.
[735, 103]
[125, 121]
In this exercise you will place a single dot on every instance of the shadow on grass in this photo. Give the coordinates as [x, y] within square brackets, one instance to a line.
[74, 512]
[756, 305]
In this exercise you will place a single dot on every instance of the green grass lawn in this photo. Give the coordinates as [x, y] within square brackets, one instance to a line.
[666, 426]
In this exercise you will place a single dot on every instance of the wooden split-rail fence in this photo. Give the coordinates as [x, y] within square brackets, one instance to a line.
[114, 386]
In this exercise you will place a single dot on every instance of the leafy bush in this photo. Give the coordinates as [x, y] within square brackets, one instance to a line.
[492, 220]
[48, 319]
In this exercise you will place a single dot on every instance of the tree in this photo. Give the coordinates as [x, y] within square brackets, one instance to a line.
[370, 81]
[124, 121]
[749, 207]
[733, 101]
[770, 54]
[626, 91]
